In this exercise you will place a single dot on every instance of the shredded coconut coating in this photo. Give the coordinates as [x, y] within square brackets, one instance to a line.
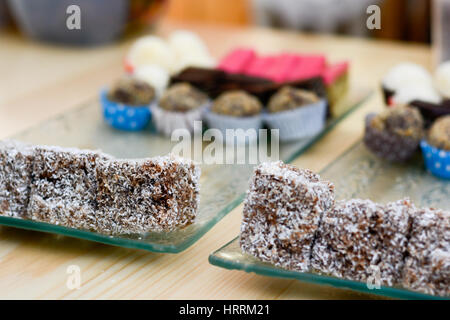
[64, 187]
[282, 212]
[158, 194]
[360, 239]
[427, 264]
[90, 190]
[16, 163]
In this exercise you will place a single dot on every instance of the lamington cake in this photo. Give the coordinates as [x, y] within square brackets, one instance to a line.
[64, 187]
[427, 265]
[360, 239]
[282, 211]
[90, 190]
[158, 194]
[16, 162]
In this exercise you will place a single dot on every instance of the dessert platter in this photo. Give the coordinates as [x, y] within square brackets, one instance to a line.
[105, 171]
[389, 245]
[324, 229]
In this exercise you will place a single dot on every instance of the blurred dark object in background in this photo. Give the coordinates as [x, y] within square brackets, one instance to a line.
[4, 18]
[441, 28]
[407, 20]
[102, 21]
[400, 19]
[324, 16]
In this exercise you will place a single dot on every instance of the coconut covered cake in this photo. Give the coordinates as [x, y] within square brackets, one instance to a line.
[89, 190]
[291, 219]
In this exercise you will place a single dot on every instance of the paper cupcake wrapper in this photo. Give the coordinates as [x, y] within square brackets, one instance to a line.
[437, 161]
[122, 116]
[388, 146]
[303, 122]
[223, 122]
[167, 122]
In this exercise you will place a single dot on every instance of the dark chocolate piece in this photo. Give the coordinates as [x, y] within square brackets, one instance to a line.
[215, 82]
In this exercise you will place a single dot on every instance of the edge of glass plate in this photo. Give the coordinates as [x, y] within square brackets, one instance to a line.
[155, 247]
[114, 240]
[275, 272]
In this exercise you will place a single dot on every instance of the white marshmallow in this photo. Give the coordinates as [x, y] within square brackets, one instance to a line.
[407, 94]
[152, 50]
[155, 76]
[442, 79]
[406, 75]
[190, 50]
[183, 41]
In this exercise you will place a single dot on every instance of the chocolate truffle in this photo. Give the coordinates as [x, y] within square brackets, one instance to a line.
[439, 135]
[237, 103]
[282, 211]
[132, 92]
[182, 97]
[395, 133]
[288, 98]
[427, 264]
[360, 239]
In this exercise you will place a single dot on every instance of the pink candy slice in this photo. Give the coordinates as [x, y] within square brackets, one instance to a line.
[237, 60]
[282, 68]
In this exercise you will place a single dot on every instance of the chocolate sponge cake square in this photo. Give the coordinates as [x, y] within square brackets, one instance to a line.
[282, 211]
[16, 164]
[427, 264]
[360, 239]
[64, 186]
[149, 195]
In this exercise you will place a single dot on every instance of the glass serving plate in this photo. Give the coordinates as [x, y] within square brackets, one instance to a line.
[356, 174]
[222, 186]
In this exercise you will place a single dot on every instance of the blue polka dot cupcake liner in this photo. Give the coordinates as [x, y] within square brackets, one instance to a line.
[437, 161]
[124, 117]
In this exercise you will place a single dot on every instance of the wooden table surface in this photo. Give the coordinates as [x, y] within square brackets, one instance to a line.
[39, 81]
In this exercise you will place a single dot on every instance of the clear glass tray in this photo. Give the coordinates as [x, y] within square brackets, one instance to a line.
[356, 174]
[222, 186]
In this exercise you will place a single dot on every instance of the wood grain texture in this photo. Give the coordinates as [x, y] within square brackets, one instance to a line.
[39, 81]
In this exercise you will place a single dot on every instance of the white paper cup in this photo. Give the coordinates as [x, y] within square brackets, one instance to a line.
[224, 122]
[302, 122]
[167, 122]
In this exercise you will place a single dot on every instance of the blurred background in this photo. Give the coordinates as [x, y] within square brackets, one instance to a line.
[107, 20]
